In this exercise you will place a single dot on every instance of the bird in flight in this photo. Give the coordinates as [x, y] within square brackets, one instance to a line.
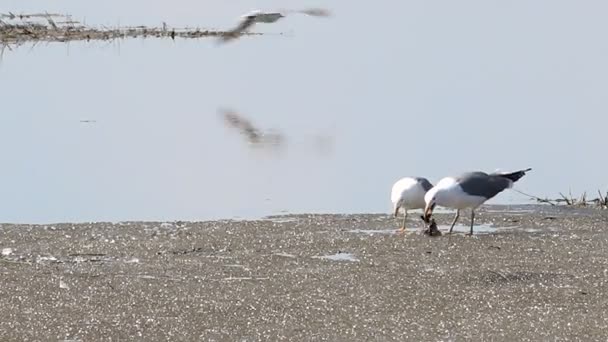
[257, 16]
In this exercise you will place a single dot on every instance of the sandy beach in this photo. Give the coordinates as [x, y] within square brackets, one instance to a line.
[531, 273]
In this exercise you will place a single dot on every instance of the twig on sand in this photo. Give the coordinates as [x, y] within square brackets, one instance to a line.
[568, 201]
[601, 201]
[538, 199]
[16, 262]
[244, 278]
[499, 274]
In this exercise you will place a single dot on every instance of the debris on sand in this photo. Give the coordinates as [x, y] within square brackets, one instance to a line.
[432, 230]
[599, 202]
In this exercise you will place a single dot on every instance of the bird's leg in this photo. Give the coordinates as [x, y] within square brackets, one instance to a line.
[402, 229]
[454, 222]
[472, 220]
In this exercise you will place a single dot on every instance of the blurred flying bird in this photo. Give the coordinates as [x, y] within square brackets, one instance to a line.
[251, 133]
[257, 16]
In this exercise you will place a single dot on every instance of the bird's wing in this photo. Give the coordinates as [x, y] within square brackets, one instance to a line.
[482, 184]
[316, 12]
[426, 185]
[245, 24]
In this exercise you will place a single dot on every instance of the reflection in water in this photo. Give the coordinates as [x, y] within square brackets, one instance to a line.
[33, 28]
[270, 138]
[377, 231]
[423, 100]
[340, 256]
[324, 144]
[478, 229]
[253, 135]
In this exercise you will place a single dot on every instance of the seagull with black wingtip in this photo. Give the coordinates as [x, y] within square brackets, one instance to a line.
[469, 190]
[257, 16]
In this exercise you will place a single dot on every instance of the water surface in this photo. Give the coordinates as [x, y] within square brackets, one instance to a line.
[428, 89]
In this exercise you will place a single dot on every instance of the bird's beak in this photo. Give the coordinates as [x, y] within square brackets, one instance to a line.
[428, 211]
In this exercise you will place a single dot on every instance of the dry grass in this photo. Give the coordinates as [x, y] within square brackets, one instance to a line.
[581, 201]
[17, 29]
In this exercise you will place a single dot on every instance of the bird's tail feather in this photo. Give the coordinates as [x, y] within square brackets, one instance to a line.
[515, 176]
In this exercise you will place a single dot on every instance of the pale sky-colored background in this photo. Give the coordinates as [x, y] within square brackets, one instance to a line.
[429, 88]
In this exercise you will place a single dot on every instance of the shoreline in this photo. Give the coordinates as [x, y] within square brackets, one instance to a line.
[261, 217]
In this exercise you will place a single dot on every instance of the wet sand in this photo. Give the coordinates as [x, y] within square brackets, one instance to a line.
[542, 275]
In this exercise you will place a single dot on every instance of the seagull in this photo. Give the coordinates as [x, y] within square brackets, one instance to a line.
[469, 190]
[408, 193]
[257, 16]
[248, 20]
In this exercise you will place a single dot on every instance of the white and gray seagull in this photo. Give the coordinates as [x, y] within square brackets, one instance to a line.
[257, 16]
[469, 190]
[408, 193]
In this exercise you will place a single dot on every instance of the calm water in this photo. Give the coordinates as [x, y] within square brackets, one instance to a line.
[402, 88]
